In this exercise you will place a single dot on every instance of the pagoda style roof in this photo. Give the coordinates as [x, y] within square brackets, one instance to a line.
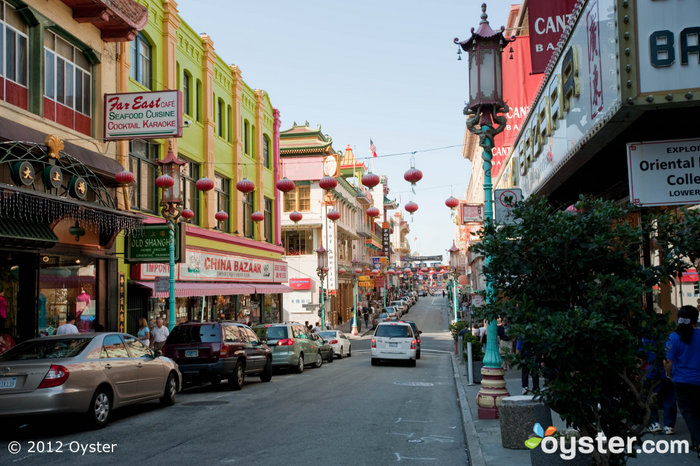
[118, 20]
[302, 140]
[348, 160]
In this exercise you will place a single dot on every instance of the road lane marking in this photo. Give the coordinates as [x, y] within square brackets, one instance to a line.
[399, 458]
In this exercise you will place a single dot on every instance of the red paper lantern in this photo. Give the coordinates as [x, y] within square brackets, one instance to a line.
[372, 212]
[221, 216]
[285, 185]
[391, 272]
[328, 183]
[407, 270]
[413, 175]
[124, 177]
[257, 216]
[165, 181]
[295, 217]
[451, 202]
[358, 271]
[411, 206]
[204, 184]
[333, 215]
[370, 180]
[245, 186]
[187, 214]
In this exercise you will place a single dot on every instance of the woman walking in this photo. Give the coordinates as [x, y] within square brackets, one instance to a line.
[144, 333]
[683, 368]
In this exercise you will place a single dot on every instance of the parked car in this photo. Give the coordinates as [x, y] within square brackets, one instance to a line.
[291, 345]
[212, 351]
[391, 312]
[90, 373]
[382, 317]
[339, 341]
[393, 340]
[416, 333]
[422, 293]
[400, 306]
[327, 352]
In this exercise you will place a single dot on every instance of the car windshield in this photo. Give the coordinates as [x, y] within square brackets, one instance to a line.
[46, 349]
[205, 333]
[383, 315]
[327, 334]
[393, 331]
[278, 332]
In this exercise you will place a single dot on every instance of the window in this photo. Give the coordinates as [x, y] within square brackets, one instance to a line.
[142, 163]
[298, 200]
[222, 187]
[141, 60]
[268, 220]
[248, 204]
[190, 194]
[187, 93]
[266, 151]
[136, 348]
[113, 347]
[198, 104]
[246, 141]
[253, 147]
[229, 114]
[297, 242]
[220, 117]
[13, 45]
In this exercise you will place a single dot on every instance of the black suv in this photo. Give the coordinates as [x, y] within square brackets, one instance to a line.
[211, 351]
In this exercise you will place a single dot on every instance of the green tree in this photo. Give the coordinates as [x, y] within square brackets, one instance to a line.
[576, 287]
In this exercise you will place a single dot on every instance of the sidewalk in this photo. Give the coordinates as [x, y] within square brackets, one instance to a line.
[484, 435]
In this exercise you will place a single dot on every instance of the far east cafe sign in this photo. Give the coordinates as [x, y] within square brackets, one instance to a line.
[143, 115]
[211, 266]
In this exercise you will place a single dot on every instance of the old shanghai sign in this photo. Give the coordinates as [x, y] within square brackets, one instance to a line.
[664, 172]
[143, 115]
[151, 243]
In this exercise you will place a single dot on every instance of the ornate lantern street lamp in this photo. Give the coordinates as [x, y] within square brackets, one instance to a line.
[485, 103]
[171, 209]
[322, 270]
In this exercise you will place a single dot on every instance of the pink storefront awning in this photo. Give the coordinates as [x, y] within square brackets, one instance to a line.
[187, 289]
[272, 289]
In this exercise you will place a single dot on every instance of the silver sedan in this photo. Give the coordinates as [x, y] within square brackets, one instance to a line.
[339, 341]
[90, 373]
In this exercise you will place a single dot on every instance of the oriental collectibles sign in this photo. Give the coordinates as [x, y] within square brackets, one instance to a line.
[143, 115]
[664, 172]
[212, 266]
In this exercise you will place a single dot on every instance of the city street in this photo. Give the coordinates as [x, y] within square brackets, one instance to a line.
[347, 412]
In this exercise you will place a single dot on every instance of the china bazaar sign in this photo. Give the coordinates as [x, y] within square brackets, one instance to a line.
[143, 115]
[213, 266]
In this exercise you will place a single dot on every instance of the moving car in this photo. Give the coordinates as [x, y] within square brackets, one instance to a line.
[291, 345]
[211, 351]
[339, 341]
[90, 373]
[394, 340]
[327, 353]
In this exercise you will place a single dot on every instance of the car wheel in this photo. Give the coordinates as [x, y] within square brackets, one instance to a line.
[300, 364]
[100, 408]
[342, 355]
[375, 361]
[319, 361]
[236, 380]
[330, 356]
[168, 398]
[266, 374]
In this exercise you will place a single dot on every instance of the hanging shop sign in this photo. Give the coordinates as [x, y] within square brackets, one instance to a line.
[328, 236]
[300, 283]
[386, 242]
[546, 20]
[151, 243]
[213, 266]
[664, 172]
[143, 115]
[667, 42]
[569, 108]
[472, 213]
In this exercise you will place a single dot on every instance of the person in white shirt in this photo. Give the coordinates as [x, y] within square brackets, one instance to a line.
[160, 333]
[68, 328]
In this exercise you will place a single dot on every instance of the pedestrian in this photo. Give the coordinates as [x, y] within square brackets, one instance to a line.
[144, 333]
[521, 348]
[160, 333]
[683, 368]
[69, 327]
[365, 314]
[308, 326]
[316, 328]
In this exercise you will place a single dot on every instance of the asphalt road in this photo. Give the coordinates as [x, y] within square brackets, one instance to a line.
[347, 412]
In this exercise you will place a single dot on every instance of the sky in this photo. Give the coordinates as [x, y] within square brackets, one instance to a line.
[382, 69]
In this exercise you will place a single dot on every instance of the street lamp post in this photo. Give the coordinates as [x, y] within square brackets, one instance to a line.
[171, 209]
[322, 270]
[454, 265]
[485, 104]
[356, 271]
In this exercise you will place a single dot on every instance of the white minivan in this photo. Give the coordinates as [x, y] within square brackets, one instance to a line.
[394, 340]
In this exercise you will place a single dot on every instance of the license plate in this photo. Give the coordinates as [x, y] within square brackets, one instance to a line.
[192, 353]
[8, 382]
[393, 345]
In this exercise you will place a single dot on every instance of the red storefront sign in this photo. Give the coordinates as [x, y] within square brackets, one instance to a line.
[300, 283]
[547, 20]
[690, 275]
[519, 89]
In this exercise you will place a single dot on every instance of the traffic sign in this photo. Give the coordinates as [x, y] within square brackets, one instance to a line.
[504, 201]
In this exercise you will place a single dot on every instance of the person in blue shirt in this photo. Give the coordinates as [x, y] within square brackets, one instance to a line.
[683, 368]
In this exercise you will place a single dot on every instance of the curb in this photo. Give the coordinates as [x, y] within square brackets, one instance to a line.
[476, 456]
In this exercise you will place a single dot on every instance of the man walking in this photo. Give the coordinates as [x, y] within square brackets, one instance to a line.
[160, 333]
